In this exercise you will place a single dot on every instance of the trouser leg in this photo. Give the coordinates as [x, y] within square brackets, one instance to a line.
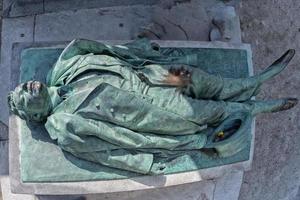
[199, 111]
[255, 107]
[210, 112]
[207, 86]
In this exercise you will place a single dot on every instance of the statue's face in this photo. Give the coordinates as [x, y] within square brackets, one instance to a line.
[33, 98]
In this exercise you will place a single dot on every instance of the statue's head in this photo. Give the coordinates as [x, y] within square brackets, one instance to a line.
[30, 101]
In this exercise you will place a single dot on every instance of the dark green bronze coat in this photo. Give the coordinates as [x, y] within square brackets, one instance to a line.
[106, 113]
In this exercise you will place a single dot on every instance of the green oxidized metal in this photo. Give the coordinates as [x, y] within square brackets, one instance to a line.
[111, 106]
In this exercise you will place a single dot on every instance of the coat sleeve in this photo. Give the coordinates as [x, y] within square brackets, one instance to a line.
[95, 135]
[112, 145]
[73, 54]
[134, 53]
[88, 146]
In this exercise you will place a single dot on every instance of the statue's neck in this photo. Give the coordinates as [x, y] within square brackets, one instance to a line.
[54, 97]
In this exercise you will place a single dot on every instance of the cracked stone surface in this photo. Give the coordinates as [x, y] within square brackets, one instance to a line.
[273, 26]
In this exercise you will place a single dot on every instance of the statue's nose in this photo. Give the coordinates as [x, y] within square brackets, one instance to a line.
[36, 85]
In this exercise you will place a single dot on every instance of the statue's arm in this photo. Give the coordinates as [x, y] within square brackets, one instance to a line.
[131, 54]
[81, 47]
[88, 147]
[138, 162]
[129, 50]
[74, 127]
[74, 53]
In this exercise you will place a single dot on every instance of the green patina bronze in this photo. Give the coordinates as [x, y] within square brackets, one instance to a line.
[122, 111]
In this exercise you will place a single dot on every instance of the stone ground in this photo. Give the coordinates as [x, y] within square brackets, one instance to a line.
[271, 27]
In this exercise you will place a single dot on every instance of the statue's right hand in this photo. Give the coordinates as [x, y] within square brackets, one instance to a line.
[157, 168]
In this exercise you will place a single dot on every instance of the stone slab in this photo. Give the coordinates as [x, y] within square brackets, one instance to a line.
[68, 25]
[138, 183]
[59, 5]
[13, 30]
[226, 187]
[179, 21]
[18, 8]
[8, 195]
[4, 157]
[196, 191]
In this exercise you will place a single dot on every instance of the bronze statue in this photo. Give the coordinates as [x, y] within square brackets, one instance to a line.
[122, 106]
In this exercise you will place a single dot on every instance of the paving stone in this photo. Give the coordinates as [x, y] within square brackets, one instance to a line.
[58, 5]
[8, 195]
[178, 22]
[228, 187]
[17, 8]
[196, 191]
[13, 30]
[271, 29]
[4, 157]
[114, 23]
